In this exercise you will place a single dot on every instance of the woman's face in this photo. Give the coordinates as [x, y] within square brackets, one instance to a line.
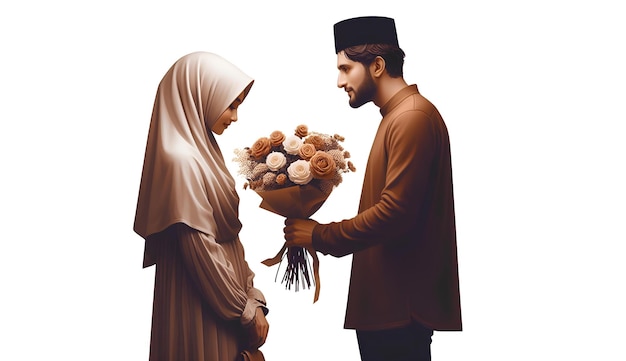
[229, 116]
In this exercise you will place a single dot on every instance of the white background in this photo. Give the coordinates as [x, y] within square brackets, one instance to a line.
[533, 96]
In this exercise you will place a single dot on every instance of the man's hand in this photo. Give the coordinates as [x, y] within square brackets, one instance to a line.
[257, 333]
[299, 232]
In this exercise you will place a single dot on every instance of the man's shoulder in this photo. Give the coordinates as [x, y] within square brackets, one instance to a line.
[415, 105]
[408, 99]
[421, 103]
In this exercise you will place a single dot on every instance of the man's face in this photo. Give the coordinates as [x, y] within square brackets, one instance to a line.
[356, 79]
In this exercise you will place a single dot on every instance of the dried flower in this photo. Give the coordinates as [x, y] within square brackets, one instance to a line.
[351, 166]
[259, 170]
[257, 183]
[281, 179]
[268, 179]
[338, 157]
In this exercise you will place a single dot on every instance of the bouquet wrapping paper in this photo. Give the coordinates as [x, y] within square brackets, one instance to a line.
[295, 202]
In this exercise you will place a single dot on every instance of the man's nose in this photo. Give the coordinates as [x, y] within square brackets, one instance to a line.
[341, 82]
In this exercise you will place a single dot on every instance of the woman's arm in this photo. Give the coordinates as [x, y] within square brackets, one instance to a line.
[207, 263]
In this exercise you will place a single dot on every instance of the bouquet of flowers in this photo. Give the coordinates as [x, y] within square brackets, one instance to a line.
[294, 174]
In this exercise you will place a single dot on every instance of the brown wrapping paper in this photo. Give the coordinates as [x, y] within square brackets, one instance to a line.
[294, 202]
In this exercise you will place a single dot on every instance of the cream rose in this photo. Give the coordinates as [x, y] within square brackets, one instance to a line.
[300, 172]
[292, 144]
[275, 161]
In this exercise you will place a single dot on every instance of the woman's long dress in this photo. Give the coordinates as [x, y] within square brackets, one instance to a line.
[203, 295]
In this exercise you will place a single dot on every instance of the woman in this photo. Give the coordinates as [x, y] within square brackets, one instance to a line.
[205, 305]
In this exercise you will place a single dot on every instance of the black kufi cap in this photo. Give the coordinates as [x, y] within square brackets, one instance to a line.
[365, 30]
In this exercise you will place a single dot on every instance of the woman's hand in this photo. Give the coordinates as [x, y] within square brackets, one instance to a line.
[257, 332]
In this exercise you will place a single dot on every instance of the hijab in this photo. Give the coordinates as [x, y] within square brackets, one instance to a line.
[184, 177]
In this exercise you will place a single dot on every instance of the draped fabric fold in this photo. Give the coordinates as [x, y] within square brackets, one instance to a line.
[184, 177]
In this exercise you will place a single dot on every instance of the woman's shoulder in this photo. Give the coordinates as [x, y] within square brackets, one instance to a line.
[180, 157]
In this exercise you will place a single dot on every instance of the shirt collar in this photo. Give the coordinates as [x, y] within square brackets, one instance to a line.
[397, 98]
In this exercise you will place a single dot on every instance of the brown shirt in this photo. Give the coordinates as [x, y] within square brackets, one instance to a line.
[403, 239]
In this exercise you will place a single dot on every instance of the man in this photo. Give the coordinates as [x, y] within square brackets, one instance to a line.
[404, 280]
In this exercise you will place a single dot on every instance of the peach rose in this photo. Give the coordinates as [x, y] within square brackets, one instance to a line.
[276, 138]
[323, 166]
[261, 148]
[302, 131]
[307, 151]
[316, 140]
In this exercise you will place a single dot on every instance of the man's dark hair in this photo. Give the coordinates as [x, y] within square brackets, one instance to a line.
[365, 54]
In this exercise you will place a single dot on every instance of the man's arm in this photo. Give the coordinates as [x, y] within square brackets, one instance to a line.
[411, 141]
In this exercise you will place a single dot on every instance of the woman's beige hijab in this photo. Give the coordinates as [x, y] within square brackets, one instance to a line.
[184, 176]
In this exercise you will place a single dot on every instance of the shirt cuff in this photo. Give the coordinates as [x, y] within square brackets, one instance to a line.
[316, 240]
[247, 317]
[257, 295]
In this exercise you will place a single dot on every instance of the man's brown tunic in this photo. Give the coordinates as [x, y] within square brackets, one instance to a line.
[403, 239]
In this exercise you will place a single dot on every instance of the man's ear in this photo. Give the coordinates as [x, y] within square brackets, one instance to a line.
[377, 67]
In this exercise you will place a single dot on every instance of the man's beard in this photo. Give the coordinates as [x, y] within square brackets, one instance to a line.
[365, 93]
